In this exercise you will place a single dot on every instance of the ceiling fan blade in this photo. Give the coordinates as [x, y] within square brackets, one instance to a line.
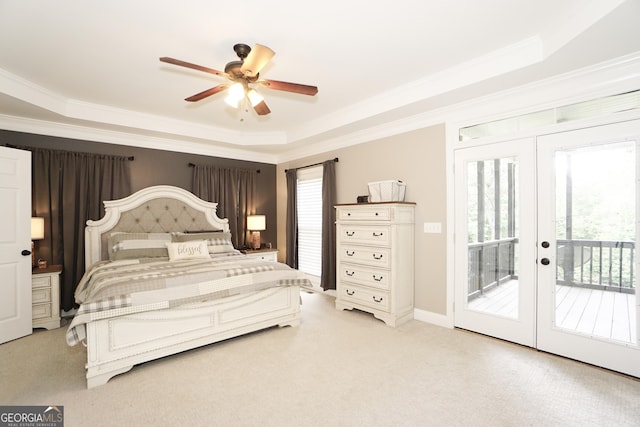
[193, 66]
[257, 58]
[261, 108]
[289, 87]
[208, 92]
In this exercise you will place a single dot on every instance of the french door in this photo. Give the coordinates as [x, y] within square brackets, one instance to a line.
[545, 243]
[495, 240]
[587, 229]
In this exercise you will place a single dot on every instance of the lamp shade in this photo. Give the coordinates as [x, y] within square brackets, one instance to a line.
[256, 222]
[37, 228]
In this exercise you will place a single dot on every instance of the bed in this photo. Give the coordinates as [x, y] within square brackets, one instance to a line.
[137, 304]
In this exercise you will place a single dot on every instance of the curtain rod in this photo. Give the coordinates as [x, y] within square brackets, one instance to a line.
[335, 159]
[130, 158]
[193, 165]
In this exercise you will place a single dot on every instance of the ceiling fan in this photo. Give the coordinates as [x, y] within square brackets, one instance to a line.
[242, 74]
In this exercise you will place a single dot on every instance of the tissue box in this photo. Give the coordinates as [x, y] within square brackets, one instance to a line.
[387, 191]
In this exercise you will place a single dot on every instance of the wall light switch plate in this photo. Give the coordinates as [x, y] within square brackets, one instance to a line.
[433, 227]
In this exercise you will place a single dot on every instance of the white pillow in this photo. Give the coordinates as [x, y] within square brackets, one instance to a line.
[188, 250]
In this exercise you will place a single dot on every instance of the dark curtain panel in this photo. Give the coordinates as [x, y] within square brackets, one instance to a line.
[233, 190]
[68, 188]
[328, 278]
[292, 219]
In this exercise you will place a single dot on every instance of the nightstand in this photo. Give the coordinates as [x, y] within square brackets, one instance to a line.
[45, 290]
[270, 254]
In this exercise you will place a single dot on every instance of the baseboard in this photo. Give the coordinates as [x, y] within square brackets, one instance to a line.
[433, 318]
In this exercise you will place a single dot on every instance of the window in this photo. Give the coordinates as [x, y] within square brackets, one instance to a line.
[581, 110]
[309, 207]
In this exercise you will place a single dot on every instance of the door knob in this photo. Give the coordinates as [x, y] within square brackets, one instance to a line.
[545, 244]
[545, 261]
[25, 252]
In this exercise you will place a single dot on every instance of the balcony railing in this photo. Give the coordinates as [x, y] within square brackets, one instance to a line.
[597, 264]
[491, 263]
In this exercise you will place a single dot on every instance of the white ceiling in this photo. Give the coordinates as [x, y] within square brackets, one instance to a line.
[72, 64]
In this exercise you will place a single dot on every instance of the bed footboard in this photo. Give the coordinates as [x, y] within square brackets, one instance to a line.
[139, 338]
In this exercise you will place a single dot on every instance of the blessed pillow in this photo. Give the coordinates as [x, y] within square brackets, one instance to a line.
[217, 242]
[192, 249]
[137, 245]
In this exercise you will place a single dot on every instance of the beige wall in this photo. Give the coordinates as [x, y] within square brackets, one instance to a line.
[418, 159]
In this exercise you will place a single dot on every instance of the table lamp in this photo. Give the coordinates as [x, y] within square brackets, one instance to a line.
[37, 233]
[255, 224]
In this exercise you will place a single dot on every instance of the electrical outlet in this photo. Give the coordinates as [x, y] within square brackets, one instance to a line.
[433, 227]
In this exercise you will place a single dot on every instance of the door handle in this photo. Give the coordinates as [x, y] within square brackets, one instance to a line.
[545, 261]
[25, 252]
[545, 244]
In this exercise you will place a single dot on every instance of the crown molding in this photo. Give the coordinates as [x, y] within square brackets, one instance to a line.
[606, 78]
[515, 56]
[41, 97]
[86, 133]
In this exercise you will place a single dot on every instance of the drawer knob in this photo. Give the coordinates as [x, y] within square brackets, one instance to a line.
[350, 292]
[352, 253]
[378, 257]
[377, 278]
[350, 233]
[376, 213]
[377, 234]
[350, 273]
[379, 299]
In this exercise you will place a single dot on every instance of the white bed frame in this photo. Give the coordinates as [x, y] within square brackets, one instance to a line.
[115, 345]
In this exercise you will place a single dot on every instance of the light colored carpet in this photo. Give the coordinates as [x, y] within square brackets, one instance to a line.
[338, 368]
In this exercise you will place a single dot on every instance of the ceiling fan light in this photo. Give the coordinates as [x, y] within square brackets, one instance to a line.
[236, 94]
[254, 97]
[231, 102]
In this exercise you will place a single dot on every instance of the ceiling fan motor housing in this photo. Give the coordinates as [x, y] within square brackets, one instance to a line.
[233, 67]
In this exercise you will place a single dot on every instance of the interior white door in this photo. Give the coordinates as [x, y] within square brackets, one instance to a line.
[15, 245]
[494, 240]
[587, 229]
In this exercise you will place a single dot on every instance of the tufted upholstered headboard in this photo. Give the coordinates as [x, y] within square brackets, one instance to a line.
[157, 209]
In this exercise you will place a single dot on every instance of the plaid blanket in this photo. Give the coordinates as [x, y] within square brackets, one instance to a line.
[110, 289]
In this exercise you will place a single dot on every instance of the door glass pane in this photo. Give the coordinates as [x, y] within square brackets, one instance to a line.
[595, 236]
[492, 228]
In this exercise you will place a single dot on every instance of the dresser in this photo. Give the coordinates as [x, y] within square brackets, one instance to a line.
[45, 299]
[375, 259]
[268, 254]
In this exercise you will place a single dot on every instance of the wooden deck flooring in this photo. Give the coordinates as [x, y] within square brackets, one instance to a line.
[603, 314]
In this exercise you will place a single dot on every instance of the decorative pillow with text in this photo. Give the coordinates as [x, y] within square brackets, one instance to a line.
[192, 249]
[217, 242]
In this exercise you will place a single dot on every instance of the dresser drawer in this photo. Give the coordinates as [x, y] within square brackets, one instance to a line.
[40, 311]
[40, 281]
[366, 213]
[374, 235]
[364, 276]
[376, 257]
[365, 296]
[40, 295]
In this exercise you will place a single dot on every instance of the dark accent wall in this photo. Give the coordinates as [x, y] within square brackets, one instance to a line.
[160, 167]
